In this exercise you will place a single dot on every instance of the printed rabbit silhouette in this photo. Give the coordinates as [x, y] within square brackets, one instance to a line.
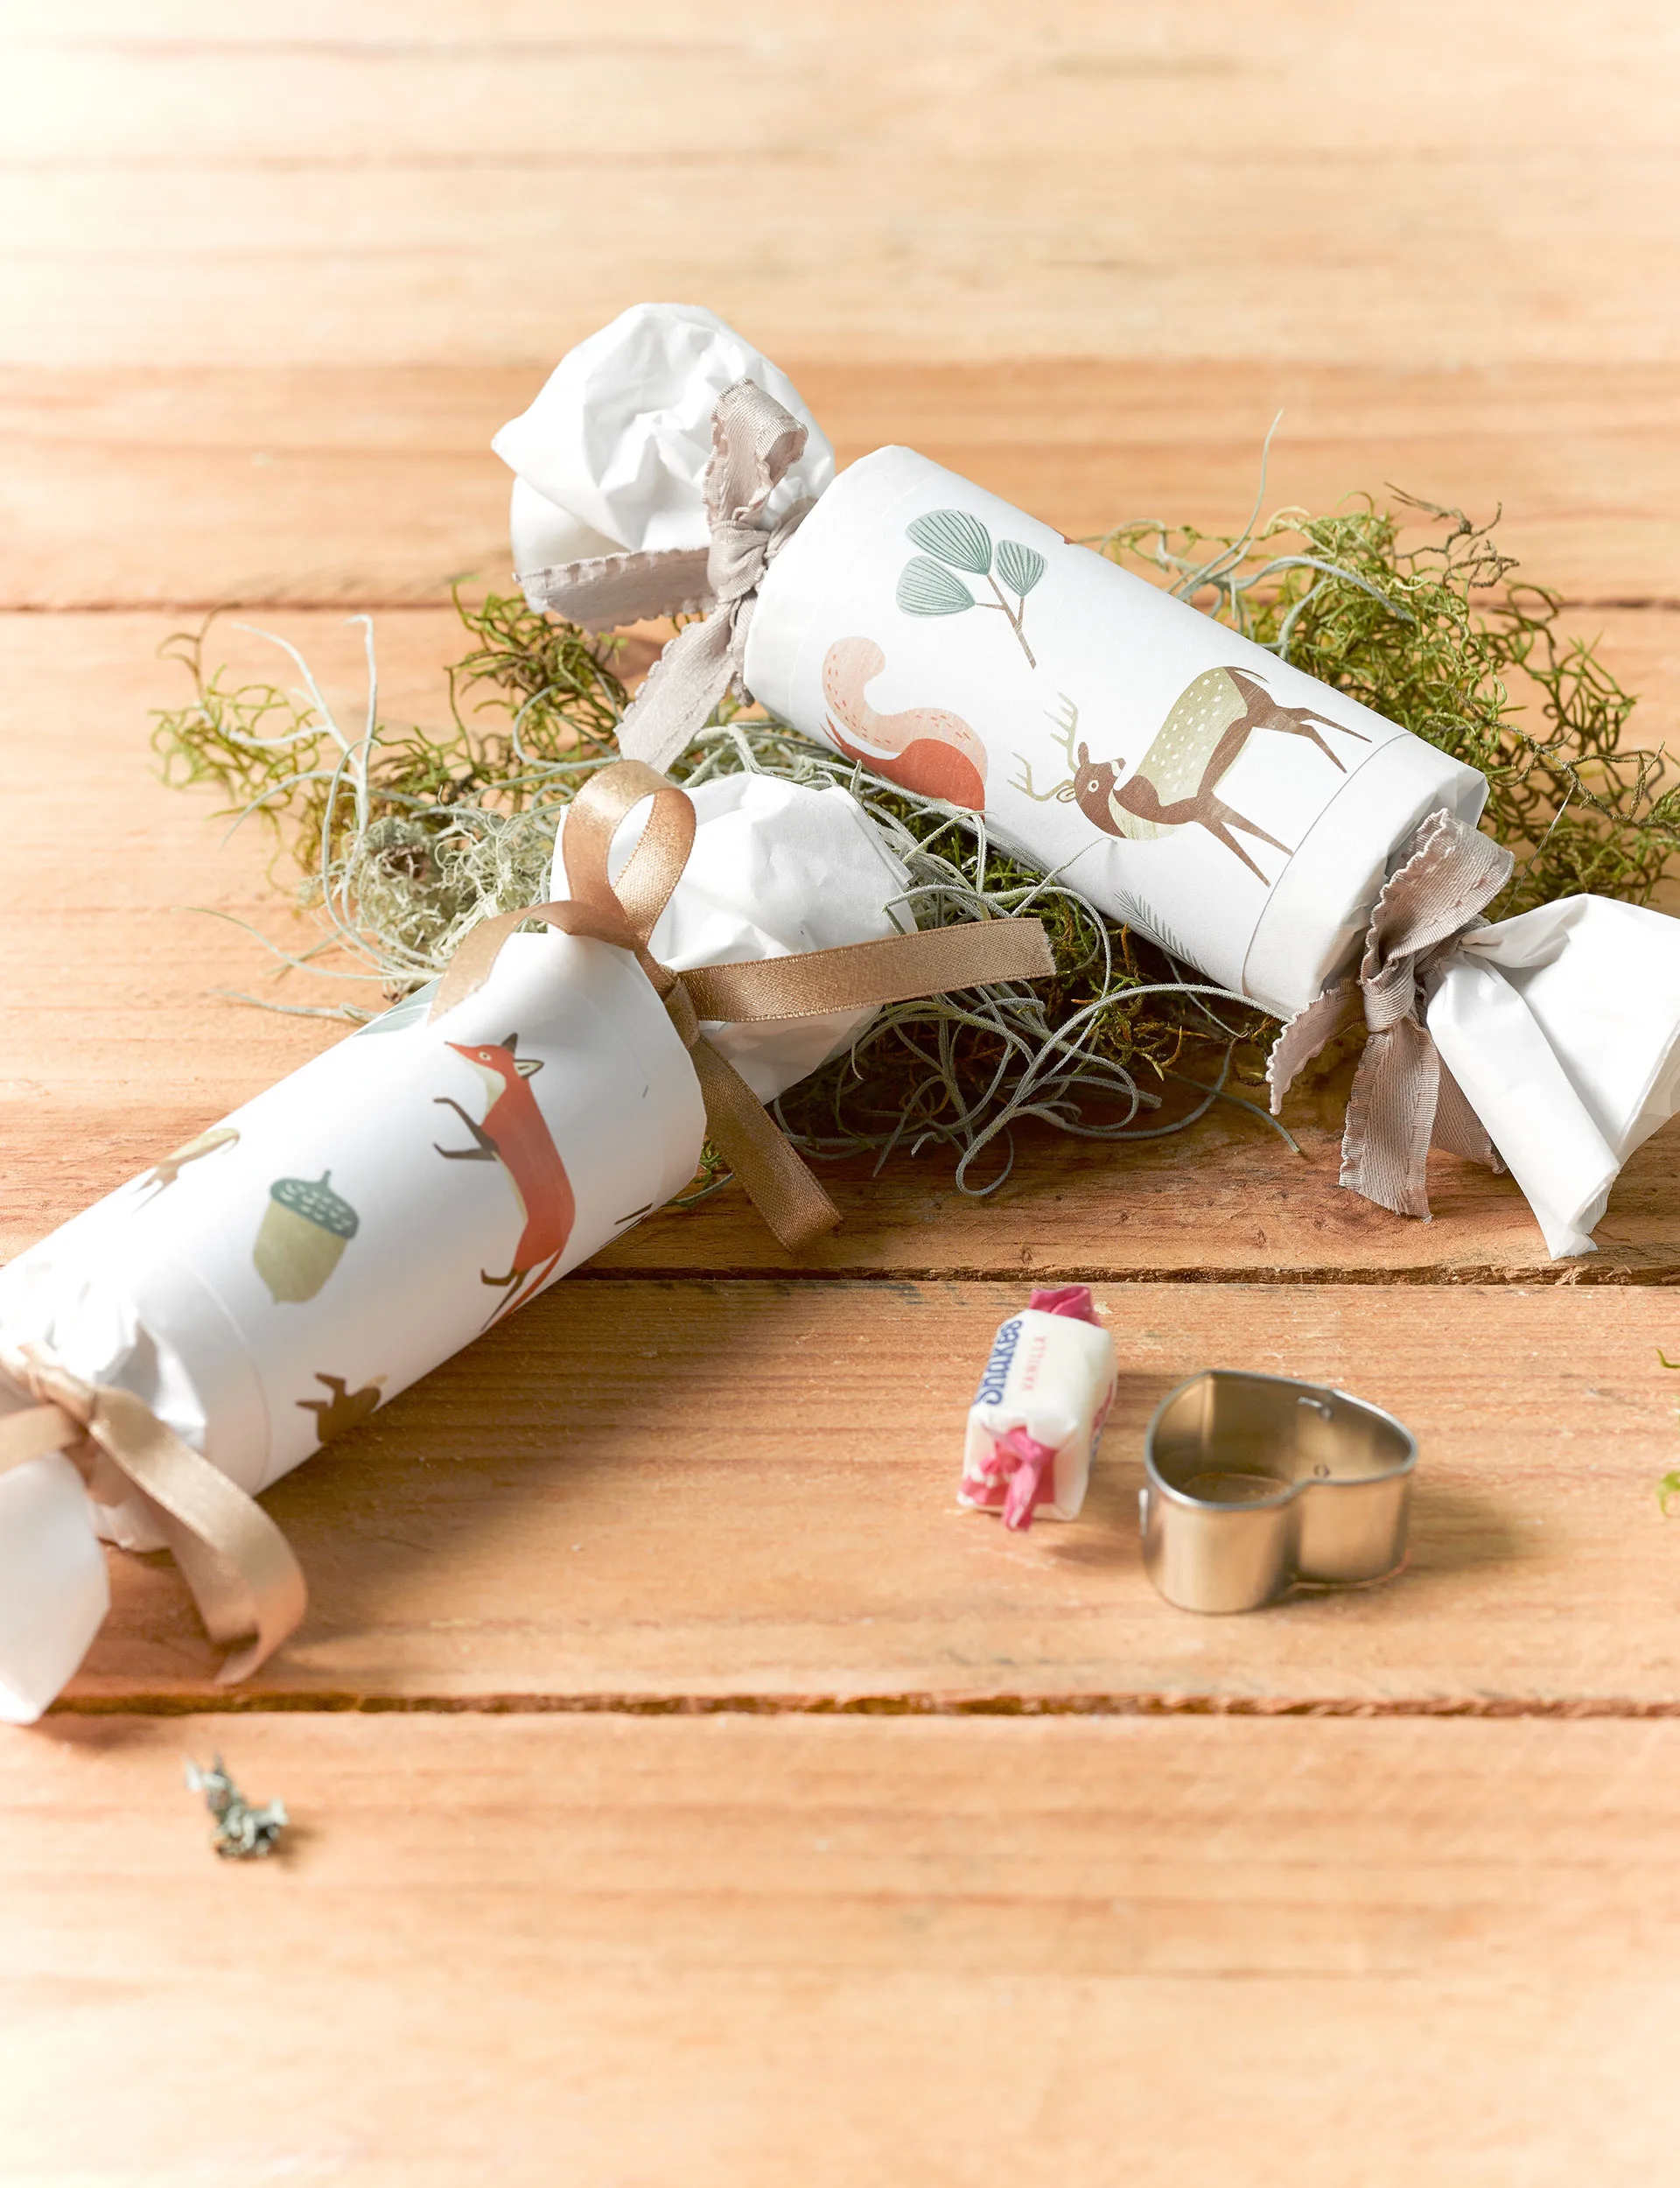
[1175, 784]
[926, 749]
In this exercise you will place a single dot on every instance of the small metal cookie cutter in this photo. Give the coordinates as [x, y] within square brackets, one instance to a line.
[1256, 1482]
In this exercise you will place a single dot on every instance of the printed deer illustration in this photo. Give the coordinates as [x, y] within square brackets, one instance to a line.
[926, 749]
[1175, 784]
[515, 1133]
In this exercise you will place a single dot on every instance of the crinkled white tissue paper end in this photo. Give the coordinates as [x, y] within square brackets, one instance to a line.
[544, 537]
[777, 867]
[617, 443]
[74, 1296]
[1562, 1026]
[54, 1590]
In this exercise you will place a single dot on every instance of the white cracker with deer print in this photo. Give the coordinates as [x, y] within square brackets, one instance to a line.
[1187, 782]
[1182, 778]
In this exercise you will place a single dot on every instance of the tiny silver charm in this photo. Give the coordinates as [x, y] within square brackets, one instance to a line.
[241, 1833]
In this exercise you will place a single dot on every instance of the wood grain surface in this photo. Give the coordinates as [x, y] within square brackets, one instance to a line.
[524, 1950]
[707, 1491]
[684, 1789]
[371, 486]
[453, 183]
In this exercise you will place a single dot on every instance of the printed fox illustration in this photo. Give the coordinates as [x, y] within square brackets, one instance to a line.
[1175, 783]
[515, 1133]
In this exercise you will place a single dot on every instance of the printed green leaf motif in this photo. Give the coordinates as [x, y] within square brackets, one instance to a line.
[927, 587]
[956, 537]
[1019, 567]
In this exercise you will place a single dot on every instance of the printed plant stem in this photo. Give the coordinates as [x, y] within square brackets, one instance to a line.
[1014, 618]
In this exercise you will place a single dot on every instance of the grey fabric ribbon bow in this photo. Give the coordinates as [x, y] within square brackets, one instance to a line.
[1405, 1100]
[753, 441]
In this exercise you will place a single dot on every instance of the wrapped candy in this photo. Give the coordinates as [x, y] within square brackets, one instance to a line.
[1294, 845]
[1038, 1415]
[170, 1353]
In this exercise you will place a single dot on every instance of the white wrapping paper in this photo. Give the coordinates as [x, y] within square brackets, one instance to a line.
[612, 451]
[271, 1285]
[1186, 780]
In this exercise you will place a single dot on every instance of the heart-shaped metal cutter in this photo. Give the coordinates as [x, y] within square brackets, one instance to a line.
[1256, 1482]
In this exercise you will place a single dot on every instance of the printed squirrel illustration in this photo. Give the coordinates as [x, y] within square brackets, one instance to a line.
[925, 749]
[1175, 783]
[515, 1133]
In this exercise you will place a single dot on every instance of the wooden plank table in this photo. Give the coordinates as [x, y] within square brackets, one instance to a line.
[685, 1790]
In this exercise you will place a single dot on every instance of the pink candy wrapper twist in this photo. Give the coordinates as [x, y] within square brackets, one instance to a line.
[1038, 1415]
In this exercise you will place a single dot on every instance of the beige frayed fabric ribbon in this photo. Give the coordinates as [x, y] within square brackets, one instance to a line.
[247, 1583]
[1405, 1100]
[753, 441]
[809, 985]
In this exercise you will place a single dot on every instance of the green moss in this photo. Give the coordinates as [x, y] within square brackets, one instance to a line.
[403, 838]
[279, 755]
[1669, 1487]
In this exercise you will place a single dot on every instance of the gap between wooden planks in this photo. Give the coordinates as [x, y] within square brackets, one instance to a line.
[467, 183]
[703, 1494]
[323, 485]
[746, 1952]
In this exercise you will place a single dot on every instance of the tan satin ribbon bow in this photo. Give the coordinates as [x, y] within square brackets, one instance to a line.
[753, 441]
[1405, 1100]
[248, 1586]
[809, 985]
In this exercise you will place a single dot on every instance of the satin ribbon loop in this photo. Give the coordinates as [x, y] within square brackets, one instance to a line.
[1403, 1100]
[248, 1585]
[754, 441]
[813, 984]
[642, 890]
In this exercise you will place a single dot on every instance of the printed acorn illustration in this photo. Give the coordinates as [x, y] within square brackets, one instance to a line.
[165, 1173]
[515, 1135]
[954, 541]
[1174, 785]
[926, 749]
[305, 1229]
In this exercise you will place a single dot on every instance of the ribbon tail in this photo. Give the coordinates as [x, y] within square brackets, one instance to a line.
[689, 678]
[1459, 1130]
[777, 1182]
[933, 961]
[1447, 874]
[34, 1433]
[608, 590]
[245, 1578]
[1391, 1119]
